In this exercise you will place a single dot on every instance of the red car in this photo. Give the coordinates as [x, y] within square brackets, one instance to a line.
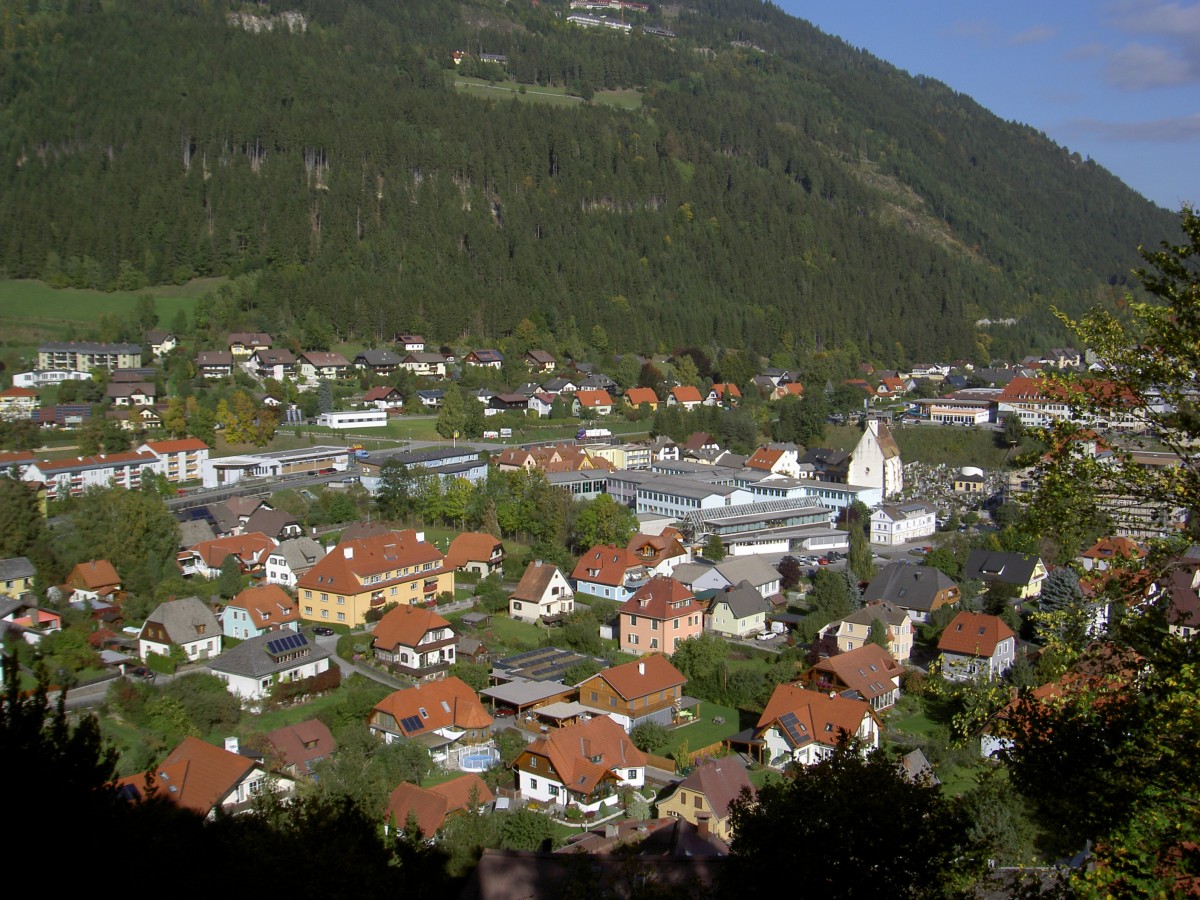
[822, 561]
[505, 712]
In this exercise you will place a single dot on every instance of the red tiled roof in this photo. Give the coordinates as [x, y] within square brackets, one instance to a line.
[647, 675]
[430, 806]
[638, 395]
[448, 702]
[96, 573]
[662, 597]
[268, 605]
[571, 752]
[195, 775]
[974, 634]
[246, 547]
[340, 570]
[405, 626]
[764, 458]
[722, 390]
[820, 717]
[608, 562]
[471, 546]
[686, 393]
[594, 398]
[868, 669]
[183, 445]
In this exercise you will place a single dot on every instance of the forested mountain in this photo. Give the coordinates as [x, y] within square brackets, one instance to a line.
[776, 190]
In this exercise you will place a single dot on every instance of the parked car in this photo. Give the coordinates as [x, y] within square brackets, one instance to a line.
[143, 673]
[765, 636]
[323, 631]
[823, 561]
[505, 712]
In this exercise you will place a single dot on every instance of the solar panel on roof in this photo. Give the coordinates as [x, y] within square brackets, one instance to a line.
[286, 643]
[412, 723]
[794, 727]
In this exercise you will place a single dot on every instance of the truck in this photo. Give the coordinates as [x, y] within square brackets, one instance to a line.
[591, 434]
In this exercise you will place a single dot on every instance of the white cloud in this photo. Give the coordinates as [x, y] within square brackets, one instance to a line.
[1035, 35]
[1168, 54]
[1176, 130]
[1138, 67]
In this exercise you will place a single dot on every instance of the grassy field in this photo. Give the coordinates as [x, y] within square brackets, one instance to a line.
[32, 312]
[555, 96]
[955, 447]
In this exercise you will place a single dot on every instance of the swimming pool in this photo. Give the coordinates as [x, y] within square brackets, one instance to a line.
[478, 762]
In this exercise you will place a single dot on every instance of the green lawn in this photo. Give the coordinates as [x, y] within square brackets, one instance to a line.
[508, 636]
[759, 777]
[555, 96]
[703, 730]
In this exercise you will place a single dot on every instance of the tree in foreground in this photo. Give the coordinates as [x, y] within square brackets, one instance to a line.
[820, 828]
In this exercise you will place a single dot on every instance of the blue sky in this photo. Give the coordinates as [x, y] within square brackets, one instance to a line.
[1116, 80]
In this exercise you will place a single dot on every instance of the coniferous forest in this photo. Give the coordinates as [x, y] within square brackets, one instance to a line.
[775, 188]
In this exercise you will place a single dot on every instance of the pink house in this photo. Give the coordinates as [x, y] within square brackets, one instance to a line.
[660, 615]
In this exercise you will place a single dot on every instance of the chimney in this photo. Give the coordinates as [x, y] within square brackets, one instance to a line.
[611, 830]
[641, 668]
[231, 744]
[348, 552]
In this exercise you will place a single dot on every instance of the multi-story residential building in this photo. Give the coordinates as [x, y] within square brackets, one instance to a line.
[542, 594]
[71, 477]
[258, 610]
[181, 460]
[367, 573]
[610, 572]
[976, 645]
[292, 559]
[902, 523]
[83, 357]
[805, 726]
[660, 615]
[866, 673]
[854, 630]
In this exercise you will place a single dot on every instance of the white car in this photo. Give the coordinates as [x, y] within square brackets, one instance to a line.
[765, 636]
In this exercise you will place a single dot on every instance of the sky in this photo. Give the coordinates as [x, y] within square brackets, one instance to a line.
[1114, 80]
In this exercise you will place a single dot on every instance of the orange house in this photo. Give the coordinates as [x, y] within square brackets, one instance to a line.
[660, 615]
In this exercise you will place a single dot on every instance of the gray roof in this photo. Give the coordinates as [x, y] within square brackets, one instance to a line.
[16, 567]
[994, 565]
[378, 357]
[193, 531]
[744, 600]
[753, 569]
[300, 554]
[254, 658]
[908, 587]
[182, 617]
[523, 693]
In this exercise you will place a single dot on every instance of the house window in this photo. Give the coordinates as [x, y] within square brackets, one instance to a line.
[632, 621]
[324, 598]
[533, 784]
[677, 623]
[342, 601]
[341, 617]
[308, 610]
[553, 790]
[653, 643]
[533, 762]
[612, 701]
[654, 624]
[594, 696]
[324, 614]
[633, 639]
[632, 774]
[516, 604]
[697, 802]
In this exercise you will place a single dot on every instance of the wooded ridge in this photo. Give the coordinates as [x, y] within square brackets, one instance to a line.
[777, 190]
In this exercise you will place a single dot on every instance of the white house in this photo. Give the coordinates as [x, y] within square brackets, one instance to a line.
[543, 593]
[188, 623]
[804, 726]
[250, 668]
[893, 524]
[581, 765]
[291, 559]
